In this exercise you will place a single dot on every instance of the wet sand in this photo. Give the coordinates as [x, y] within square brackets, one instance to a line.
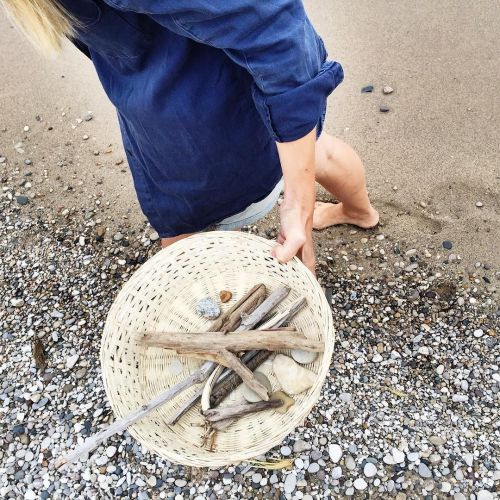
[429, 160]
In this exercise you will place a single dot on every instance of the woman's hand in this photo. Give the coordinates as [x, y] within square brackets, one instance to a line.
[295, 236]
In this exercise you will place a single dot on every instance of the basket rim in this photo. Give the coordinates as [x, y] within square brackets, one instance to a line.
[131, 286]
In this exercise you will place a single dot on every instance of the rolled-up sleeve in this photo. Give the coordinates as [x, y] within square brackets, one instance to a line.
[273, 40]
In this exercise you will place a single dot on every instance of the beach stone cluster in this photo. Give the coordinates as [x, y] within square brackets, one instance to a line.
[409, 409]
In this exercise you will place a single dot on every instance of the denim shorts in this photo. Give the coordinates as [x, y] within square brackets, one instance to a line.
[252, 213]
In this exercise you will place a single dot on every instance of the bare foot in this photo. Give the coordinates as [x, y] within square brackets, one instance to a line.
[330, 214]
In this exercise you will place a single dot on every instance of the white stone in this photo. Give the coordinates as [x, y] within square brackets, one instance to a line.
[398, 456]
[292, 377]
[484, 495]
[44, 445]
[459, 398]
[459, 496]
[413, 456]
[370, 469]
[71, 361]
[290, 483]
[377, 358]
[102, 460]
[360, 484]
[250, 395]
[440, 369]
[469, 459]
[335, 452]
[110, 451]
[303, 357]
[30, 495]
[337, 472]
[478, 333]
[445, 487]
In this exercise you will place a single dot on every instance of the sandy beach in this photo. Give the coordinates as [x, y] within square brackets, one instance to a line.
[429, 160]
[410, 407]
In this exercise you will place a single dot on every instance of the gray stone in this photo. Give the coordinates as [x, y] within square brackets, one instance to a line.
[424, 471]
[208, 308]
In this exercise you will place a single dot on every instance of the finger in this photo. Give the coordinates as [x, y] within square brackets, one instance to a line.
[281, 238]
[289, 248]
[306, 255]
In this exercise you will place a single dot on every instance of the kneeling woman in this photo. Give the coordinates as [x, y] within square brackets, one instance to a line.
[221, 105]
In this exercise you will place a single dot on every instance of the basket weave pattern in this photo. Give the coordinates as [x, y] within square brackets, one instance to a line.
[161, 296]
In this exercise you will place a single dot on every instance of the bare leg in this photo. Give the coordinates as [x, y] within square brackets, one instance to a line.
[165, 242]
[340, 171]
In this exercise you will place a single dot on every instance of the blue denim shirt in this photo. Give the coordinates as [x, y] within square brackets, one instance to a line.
[203, 89]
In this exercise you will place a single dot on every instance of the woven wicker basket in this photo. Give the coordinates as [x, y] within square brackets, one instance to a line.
[161, 296]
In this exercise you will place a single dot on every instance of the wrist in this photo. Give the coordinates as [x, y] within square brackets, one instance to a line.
[301, 208]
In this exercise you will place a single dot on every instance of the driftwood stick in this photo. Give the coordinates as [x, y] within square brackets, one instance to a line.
[249, 322]
[244, 306]
[198, 394]
[284, 317]
[229, 360]
[224, 387]
[254, 359]
[231, 319]
[122, 424]
[212, 342]
[236, 411]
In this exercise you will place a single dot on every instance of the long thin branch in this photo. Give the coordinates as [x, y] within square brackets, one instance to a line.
[212, 342]
[244, 306]
[240, 410]
[123, 423]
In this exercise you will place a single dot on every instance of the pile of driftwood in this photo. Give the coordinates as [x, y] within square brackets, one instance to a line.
[237, 343]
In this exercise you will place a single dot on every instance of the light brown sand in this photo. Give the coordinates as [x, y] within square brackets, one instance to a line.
[439, 144]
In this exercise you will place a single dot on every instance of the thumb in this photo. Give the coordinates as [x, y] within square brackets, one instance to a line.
[289, 249]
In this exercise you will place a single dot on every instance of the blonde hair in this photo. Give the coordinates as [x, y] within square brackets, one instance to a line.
[44, 22]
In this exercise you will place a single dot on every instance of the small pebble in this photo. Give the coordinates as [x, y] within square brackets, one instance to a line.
[367, 89]
[387, 90]
[360, 484]
[313, 468]
[447, 244]
[208, 308]
[369, 469]
[285, 451]
[290, 483]
[225, 296]
[384, 109]
[424, 471]
[337, 472]
[335, 452]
